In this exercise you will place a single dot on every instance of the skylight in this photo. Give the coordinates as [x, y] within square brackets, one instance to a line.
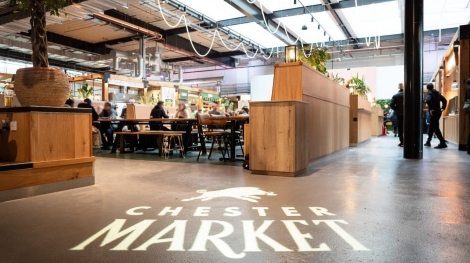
[258, 34]
[375, 19]
[215, 9]
[313, 34]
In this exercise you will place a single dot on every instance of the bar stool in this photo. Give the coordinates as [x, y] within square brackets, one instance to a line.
[171, 138]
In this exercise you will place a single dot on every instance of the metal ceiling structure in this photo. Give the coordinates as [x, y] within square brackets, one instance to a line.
[86, 31]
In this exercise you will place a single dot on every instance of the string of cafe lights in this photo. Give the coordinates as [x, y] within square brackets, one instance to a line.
[241, 45]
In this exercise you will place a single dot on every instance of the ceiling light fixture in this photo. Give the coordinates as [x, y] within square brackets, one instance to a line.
[304, 27]
[295, 2]
[319, 27]
[313, 20]
[184, 9]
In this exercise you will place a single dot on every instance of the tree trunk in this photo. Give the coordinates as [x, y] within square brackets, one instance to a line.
[38, 34]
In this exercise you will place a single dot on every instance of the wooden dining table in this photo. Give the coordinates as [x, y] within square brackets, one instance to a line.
[131, 125]
[233, 120]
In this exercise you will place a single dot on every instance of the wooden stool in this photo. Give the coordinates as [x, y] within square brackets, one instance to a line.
[168, 139]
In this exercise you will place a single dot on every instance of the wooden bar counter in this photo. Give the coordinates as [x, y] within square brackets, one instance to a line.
[50, 150]
[359, 120]
[326, 121]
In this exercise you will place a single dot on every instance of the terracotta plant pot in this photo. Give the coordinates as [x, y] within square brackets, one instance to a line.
[41, 87]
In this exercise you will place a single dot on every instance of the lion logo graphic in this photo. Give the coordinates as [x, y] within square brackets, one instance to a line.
[250, 194]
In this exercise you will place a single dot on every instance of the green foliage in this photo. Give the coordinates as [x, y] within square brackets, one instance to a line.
[85, 91]
[384, 104]
[318, 58]
[338, 79]
[360, 87]
[146, 100]
[53, 6]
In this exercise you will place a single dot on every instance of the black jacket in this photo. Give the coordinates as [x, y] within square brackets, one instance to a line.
[157, 113]
[94, 114]
[434, 99]
[397, 103]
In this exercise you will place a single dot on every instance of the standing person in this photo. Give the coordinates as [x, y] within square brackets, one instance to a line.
[107, 128]
[467, 98]
[158, 112]
[397, 106]
[434, 99]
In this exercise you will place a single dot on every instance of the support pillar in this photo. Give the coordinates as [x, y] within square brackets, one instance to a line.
[413, 92]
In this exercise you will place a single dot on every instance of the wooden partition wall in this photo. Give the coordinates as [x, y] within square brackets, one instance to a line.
[359, 120]
[464, 64]
[326, 121]
[328, 109]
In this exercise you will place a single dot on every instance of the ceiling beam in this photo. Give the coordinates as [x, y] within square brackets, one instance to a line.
[255, 15]
[301, 11]
[340, 24]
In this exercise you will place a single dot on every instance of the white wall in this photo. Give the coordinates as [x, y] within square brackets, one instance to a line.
[262, 87]
[388, 79]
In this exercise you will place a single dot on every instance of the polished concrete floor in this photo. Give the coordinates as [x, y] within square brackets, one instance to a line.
[364, 204]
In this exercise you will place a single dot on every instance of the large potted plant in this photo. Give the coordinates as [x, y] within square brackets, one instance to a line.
[317, 59]
[40, 85]
[359, 86]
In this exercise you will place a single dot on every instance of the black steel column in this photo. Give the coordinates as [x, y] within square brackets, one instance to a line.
[413, 128]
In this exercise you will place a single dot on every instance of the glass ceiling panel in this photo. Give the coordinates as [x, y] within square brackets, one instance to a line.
[374, 20]
[312, 34]
[257, 34]
[276, 5]
[215, 9]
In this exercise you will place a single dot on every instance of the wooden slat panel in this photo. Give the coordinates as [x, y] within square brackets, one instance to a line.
[359, 120]
[377, 120]
[37, 176]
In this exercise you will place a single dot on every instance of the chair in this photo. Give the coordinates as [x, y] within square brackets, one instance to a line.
[219, 135]
[172, 137]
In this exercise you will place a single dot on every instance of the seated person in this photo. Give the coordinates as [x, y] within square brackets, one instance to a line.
[158, 112]
[69, 103]
[107, 128]
[228, 112]
[214, 111]
[182, 111]
[87, 105]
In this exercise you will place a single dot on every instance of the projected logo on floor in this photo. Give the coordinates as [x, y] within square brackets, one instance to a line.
[249, 194]
[259, 234]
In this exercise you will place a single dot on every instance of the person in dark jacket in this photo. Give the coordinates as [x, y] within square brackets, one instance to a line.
[87, 105]
[107, 128]
[158, 112]
[434, 100]
[467, 98]
[397, 106]
[393, 118]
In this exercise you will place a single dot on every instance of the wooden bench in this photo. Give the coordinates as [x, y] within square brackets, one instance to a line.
[164, 149]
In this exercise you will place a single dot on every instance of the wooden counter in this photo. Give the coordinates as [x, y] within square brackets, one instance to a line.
[377, 119]
[56, 142]
[359, 120]
[451, 128]
[327, 113]
[278, 145]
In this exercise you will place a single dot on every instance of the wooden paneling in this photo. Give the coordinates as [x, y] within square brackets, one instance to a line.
[278, 145]
[72, 140]
[15, 145]
[287, 84]
[359, 120]
[451, 128]
[377, 120]
[328, 109]
[38, 176]
[464, 75]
